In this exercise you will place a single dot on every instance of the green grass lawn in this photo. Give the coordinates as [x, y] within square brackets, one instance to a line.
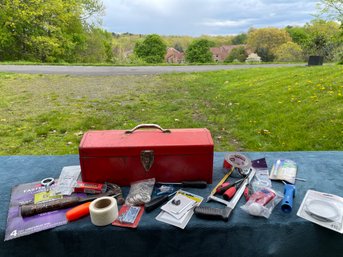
[259, 109]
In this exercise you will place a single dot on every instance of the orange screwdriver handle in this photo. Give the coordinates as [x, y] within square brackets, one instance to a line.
[78, 212]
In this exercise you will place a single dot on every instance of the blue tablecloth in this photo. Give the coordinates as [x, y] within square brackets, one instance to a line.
[243, 235]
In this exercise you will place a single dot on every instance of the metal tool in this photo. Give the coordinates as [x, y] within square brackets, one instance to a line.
[33, 209]
[156, 202]
[47, 182]
[216, 213]
[193, 184]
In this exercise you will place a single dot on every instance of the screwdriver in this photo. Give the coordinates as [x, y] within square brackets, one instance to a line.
[219, 188]
[193, 184]
[232, 190]
[226, 187]
[158, 201]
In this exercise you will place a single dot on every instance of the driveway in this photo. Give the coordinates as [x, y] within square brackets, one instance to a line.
[126, 70]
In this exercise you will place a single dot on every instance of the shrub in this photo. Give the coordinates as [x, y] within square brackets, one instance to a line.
[289, 52]
[199, 51]
[152, 49]
[237, 54]
[253, 58]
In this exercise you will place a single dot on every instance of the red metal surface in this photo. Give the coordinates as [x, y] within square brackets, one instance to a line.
[114, 156]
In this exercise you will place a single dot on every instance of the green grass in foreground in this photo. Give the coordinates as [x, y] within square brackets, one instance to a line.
[260, 109]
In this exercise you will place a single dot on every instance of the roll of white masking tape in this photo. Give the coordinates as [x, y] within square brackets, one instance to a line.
[103, 211]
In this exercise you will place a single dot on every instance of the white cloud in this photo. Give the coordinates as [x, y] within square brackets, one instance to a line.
[196, 17]
[227, 23]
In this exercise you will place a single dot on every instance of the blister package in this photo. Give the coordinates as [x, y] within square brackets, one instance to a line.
[140, 192]
[262, 202]
[323, 209]
[261, 180]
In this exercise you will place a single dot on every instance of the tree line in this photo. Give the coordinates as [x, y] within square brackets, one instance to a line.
[69, 31]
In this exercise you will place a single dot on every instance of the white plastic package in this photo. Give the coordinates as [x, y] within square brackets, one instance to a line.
[262, 202]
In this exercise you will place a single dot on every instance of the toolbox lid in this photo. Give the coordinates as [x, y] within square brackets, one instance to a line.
[118, 143]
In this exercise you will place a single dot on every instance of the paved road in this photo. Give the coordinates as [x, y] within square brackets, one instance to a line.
[127, 70]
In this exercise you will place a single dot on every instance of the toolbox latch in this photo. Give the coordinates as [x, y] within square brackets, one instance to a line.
[147, 159]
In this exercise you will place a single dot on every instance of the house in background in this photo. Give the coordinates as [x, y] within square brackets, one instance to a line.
[219, 54]
[174, 56]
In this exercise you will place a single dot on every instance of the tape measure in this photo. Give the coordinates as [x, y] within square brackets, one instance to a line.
[237, 161]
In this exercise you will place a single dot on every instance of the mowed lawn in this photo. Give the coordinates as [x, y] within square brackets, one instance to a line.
[260, 109]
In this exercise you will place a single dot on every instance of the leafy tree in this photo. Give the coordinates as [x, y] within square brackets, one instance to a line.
[298, 34]
[324, 38]
[152, 49]
[333, 8]
[97, 47]
[266, 40]
[289, 52]
[199, 51]
[240, 39]
[238, 53]
[44, 30]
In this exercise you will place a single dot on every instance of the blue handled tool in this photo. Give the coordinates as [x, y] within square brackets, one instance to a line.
[287, 202]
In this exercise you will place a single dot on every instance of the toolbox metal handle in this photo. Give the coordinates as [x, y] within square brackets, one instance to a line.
[147, 126]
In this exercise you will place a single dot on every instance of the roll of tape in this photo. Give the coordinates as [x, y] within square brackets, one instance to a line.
[103, 211]
[238, 161]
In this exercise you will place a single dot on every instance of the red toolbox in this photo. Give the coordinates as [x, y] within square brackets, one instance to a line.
[147, 151]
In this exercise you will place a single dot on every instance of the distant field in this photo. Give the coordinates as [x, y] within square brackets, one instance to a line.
[259, 109]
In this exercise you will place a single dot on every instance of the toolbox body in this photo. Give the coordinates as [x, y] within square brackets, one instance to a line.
[122, 157]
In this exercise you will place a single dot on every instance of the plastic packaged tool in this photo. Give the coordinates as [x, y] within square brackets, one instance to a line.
[90, 188]
[261, 180]
[284, 170]
[140, 192]
[67, 180]
[129, 216]
[262, 202]
[323, 209]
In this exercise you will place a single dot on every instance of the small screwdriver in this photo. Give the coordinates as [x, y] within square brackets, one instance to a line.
[158, 201]
[193, 184]
[226, 187]
[219, 188]
[232, 190]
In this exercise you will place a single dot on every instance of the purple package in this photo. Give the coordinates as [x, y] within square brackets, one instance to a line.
[17, 226]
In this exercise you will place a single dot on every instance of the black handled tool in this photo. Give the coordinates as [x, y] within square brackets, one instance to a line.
[223, 189]
[193, 184]
[212, 213]
[156, 202]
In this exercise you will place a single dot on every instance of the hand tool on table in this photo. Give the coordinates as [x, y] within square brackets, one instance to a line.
[229, 193]
[33, 209]
[193, 184]
[225, 186]
[78, 211]
[158, 201]
[216, 213]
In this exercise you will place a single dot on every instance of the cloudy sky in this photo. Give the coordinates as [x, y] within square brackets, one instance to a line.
[199, 17]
